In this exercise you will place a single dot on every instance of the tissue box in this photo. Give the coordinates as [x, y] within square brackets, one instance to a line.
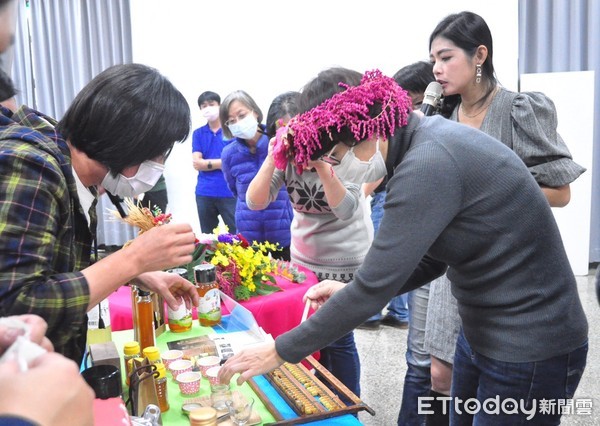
[105, 354]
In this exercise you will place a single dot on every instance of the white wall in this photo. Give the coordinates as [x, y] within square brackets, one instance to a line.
[270, 47]
[576, 126]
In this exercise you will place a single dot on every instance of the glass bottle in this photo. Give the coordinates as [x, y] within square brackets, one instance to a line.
[180, 320]
[134, 312]
[205, 416]
[145, 319]
[153, 354]
[161, 387]
[209, 308]
[130, 350]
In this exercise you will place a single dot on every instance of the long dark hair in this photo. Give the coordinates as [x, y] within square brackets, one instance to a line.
[468, 31]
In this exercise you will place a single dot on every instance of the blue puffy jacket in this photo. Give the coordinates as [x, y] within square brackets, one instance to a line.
[239, 167]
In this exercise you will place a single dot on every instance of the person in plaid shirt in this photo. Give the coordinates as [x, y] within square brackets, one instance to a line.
[117, 134]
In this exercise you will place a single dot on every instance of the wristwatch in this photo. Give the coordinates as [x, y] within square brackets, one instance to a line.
[209, 165]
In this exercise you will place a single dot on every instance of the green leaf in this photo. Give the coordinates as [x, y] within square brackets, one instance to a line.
[242, 293]
[264, 289]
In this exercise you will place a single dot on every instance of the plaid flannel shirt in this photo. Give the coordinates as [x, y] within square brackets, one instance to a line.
[44, 235]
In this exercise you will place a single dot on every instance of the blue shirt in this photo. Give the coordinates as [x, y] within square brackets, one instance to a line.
[210, 144]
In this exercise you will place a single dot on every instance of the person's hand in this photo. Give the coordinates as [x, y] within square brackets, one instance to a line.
[272, 143]
[314, 165]
[321, 292]
[39, 394]
[37, 335]
[163, 247]
[196, 163]
[171, 287]
[250, 362]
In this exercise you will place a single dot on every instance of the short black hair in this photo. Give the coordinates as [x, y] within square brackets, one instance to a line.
[415, 77]
[282, 105]
[208, 96]
[7, 89]
[126, 115]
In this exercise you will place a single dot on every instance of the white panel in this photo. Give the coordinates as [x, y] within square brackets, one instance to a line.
[573, 95]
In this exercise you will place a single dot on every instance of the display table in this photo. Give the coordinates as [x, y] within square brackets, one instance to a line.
[175, 417]
[276, 313]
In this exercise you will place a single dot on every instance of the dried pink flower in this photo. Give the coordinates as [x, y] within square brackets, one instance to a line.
[300, 138]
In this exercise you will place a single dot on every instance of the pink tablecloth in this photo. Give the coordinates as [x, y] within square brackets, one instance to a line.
[275, 313]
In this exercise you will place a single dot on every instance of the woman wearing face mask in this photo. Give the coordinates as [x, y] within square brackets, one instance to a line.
[331, 232]
[240, 161]
[116, 133]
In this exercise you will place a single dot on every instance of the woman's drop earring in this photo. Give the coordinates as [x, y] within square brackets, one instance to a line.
[478, 73]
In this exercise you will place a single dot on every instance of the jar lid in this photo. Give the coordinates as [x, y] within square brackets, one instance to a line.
[205, 273]
[143, 292]
[188, 407]
[131, 348]
[202, 414]
[182, 272]
[162, 371]
[152, 353]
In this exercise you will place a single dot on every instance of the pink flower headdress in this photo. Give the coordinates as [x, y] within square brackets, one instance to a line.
[297, 141]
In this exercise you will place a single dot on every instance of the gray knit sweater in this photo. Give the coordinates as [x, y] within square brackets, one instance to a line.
[460, 198]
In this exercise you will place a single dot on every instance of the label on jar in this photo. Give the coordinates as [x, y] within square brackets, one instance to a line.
[210, 305]
[180, 319]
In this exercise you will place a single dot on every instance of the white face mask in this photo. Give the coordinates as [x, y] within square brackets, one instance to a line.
[144, 180]
[245, 128]
[363, 171]
[210, 113]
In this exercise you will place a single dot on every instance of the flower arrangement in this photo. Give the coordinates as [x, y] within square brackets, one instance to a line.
[297, 141]
[243, 269]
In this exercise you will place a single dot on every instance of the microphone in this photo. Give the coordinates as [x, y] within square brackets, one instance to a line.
[431, 100]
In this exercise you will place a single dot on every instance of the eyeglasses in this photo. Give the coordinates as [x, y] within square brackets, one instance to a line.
[240, 117]
[330, 159]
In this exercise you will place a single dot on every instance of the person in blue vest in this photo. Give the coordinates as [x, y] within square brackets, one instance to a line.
[240, 161]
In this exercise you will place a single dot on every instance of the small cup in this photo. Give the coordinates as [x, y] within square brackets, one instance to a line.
[207, 362]
[180, 366]
[105, 380]
[171, 355]
[240, 409]
[219, 395]
[211, 375]
[189, 382]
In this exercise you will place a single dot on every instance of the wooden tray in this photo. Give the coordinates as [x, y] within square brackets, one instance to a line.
[309, 397]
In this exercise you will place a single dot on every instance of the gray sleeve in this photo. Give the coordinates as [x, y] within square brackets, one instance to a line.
[276, 182]
[536, 140]
[424, 196]
[345, 210]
